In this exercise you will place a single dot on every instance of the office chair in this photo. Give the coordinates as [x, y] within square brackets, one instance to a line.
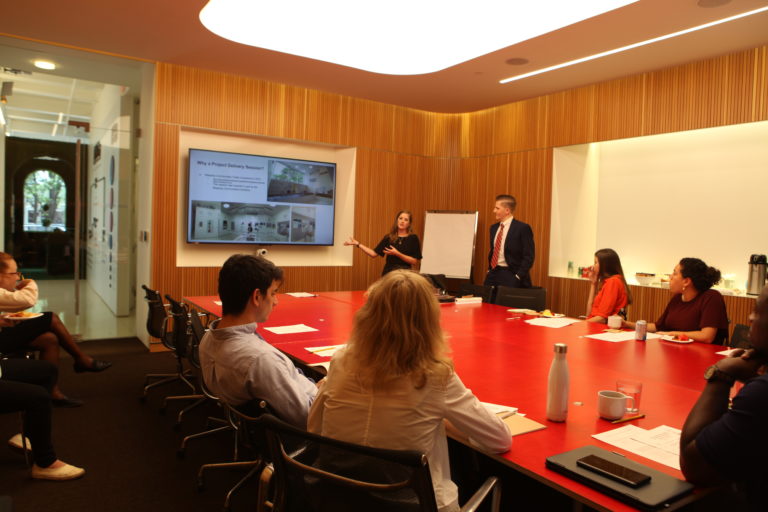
[157, 327]
[478, 290]
[248, 437]
[437, 281]
[316, 474]
[198, 331]
[181, 336]
[740, 337]
[529, 298]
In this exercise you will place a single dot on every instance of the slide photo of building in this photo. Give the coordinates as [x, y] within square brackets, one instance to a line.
[213, 221]
[303, 224]
[297, 182]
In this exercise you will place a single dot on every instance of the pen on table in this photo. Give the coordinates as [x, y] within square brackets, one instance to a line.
[630, 418]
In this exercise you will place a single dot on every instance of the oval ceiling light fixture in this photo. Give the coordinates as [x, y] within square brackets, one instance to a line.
[633, 46]
[398, 37]
[44, 64]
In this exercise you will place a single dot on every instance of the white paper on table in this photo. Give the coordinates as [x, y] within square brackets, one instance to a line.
[727, 352]
[663, 437]
[555, 323]
[290, 329]
[502, 410]
[217, 302]
[301, 294]
[615, 337]
[629, 438]
[325, 351]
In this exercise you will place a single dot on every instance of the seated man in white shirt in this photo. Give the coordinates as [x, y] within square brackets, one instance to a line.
[239, 365]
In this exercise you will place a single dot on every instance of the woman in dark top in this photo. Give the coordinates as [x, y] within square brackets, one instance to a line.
[400, 246]
[695, 310]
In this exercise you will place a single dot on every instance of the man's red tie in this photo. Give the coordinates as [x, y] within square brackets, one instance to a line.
[497, 246]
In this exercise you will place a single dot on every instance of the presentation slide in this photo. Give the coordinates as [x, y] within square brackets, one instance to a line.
[237, 198]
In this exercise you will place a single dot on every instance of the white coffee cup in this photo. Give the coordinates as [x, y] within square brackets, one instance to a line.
[614, 322]
[611, 405]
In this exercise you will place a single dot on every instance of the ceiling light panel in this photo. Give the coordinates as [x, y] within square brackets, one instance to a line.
[398, 37]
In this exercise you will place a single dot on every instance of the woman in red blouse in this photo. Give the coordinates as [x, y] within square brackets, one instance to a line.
[607, 279]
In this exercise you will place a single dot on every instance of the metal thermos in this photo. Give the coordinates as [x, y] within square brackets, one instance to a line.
[557, 390]
[757, 267]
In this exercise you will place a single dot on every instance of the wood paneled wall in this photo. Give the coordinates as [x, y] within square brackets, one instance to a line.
[410, 159]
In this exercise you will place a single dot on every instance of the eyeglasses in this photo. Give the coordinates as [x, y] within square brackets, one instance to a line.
[18, 275]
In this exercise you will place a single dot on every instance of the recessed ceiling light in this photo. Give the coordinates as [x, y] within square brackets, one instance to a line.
[632, 46]
[397, 37]
[44, 64]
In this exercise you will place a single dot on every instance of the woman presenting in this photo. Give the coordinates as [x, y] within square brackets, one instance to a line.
[607, 278]
[400, 246]
[393, 385]
[694, 311]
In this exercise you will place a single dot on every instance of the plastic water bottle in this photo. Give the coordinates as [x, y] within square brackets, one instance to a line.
[641, 328]
[557, 392]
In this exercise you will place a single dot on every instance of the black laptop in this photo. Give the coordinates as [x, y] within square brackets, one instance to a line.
[620, 477]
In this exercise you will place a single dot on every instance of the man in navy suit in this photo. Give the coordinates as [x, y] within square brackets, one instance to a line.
[512, 248]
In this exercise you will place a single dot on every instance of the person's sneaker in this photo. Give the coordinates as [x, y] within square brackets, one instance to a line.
[64, 472]
[16, 442]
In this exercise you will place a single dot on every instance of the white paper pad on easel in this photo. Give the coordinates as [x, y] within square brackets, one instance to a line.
[554, 323]
[660, 444]
[615, 337]
[326, 351]
[290, 329]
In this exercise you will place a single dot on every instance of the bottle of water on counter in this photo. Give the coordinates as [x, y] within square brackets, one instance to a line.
[557, 392]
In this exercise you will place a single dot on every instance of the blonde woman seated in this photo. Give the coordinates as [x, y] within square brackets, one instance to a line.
[394, 386]
[607, 278]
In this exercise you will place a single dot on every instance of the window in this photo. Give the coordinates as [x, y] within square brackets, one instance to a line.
[45, 201]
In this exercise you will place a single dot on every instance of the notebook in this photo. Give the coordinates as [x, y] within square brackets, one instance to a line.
[656, 494]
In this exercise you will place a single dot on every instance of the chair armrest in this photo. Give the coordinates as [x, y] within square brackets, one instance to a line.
[491, 484]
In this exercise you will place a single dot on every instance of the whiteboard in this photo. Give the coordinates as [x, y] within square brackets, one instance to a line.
[449, 243]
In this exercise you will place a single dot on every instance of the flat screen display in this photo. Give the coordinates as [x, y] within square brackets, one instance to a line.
[236, 198]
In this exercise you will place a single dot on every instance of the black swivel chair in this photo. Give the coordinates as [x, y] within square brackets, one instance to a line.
[198, 331]
[528, 298]
[181, 338]
[312, 473]
[157, 327]
[478, 290]
[249, 438]
[740, 337]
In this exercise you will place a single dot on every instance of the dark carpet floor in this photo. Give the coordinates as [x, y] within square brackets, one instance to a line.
[128, 449]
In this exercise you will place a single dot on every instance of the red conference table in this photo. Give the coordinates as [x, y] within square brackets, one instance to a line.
[507, 361]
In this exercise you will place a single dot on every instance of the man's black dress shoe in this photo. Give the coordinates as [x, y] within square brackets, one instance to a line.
[66, 402]
[97, 366]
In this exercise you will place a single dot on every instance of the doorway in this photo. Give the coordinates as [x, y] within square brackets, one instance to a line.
[69, 221]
